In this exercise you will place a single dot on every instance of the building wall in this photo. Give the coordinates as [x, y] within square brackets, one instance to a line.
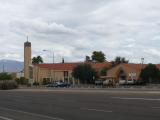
[35, 74]
[129, 72]
[60, 71]
[39, 74]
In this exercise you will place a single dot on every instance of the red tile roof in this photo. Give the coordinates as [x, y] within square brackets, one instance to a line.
[70, 66]
[138, 66]
[135, 66]
[158, 66]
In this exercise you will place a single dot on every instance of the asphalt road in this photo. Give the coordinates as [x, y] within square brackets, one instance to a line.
[61, 104]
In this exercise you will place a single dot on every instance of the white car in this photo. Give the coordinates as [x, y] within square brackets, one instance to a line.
[122, 82]
[106, 82]
[130, 82]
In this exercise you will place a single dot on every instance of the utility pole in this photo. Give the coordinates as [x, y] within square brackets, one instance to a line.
[53, 57]
[53, 63]
[142, 60]
[52, 53]
[3, 68]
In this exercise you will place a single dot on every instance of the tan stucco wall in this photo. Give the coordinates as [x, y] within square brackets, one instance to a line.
[54, 75]
[115, 70]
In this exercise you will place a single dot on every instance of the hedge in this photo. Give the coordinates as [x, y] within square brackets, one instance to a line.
[8, 84]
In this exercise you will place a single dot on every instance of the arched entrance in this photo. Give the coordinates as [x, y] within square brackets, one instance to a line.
[121, 76]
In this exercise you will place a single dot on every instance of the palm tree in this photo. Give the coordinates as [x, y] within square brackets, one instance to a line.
[37, 60]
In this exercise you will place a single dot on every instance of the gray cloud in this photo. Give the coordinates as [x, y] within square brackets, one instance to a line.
[40, 27]
[75, 28]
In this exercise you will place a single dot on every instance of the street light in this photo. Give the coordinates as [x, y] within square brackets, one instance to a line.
[51, 52]
[142, 60]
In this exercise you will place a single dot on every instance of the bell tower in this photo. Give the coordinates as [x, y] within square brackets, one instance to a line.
[27, 58]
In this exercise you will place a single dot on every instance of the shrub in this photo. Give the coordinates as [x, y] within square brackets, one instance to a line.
[8, 84]
[22, 81]
[36, 83]
[85, 73]
[5, 76]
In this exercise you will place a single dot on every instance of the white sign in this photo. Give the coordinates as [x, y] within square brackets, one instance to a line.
[132, 74]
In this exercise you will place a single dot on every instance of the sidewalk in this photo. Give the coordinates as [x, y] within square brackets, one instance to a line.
[98, 88]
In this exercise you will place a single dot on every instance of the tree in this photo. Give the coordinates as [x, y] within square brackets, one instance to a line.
[37, 60]
[88, 59]
[150, 74]
[85, 73]
[119, 60]
[5, 76]
[98, 56]
[123, 60]
[104, 71]
[22, 81]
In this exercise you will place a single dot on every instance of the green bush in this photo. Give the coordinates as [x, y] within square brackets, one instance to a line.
[22, 81]
[46, 81]
[36, 83]
[8, 84]
[150, 74]
[5, 76]
[85, 73]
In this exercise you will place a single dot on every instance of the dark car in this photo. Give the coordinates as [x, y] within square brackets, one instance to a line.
[140, 82]
[52, 85]
[63, 84]
[98, 82]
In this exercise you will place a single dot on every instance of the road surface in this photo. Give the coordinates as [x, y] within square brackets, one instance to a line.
[63, 104]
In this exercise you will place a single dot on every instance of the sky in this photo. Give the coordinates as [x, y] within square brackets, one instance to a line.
[72, 29]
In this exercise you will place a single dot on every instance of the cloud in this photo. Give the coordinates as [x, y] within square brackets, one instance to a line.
[75, 28]
[40, 27]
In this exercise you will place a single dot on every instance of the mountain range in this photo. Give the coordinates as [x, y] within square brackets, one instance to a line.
[10, 66]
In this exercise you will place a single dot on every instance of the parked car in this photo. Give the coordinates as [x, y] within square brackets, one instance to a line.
[58, 84]
[122, 82]
[106, 82]
[98, 82]
[109, 83]
[130, 82]
[139, 82]
[63, 84]
[52, 85]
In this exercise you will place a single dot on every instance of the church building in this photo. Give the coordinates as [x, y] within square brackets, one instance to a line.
[63, 71]
[55, 71]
